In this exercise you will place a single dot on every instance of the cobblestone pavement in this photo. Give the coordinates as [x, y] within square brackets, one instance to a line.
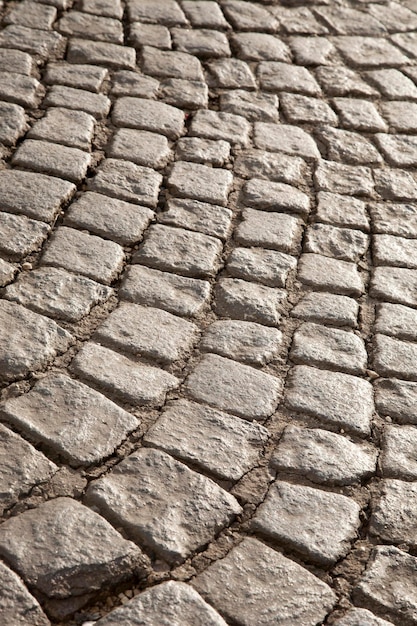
[208, 313]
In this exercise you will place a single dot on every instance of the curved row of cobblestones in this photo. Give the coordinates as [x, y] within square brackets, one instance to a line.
[208, 312]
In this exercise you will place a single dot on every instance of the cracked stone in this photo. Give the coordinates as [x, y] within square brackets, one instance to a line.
[269, 165]
[170, 508]
[255, 107]
[233, 387]
[201, 182]
[242, 341]
[221, 444]
[340, 400]
[263, 194]
[304, 110]
[87, 254]
[345, 179]
[285, 138]
[303, 519]
[203, 43]
[17, 605]
[323, 457]
[395, 284]
[51, 158]
[21, 468]
[114, 219]
[71, 419]
[87, 77]
[140, 147]
[396, 320]
[360, 115]
[127, 380]
[327, 308]
[398, 399]
[101, 53]
[65, 126]
[99, 28]
[198, 216]
[57, 293]
[168, 603]
[393, 357]
[149, 332]
[127, 181]
[340, 210]
[171, 64]
[189, 253]
[277, 231]
[348, 147]
[28, 341]
[13, 123]
[276, 76]
[243, 586]
[339, 243]
[206, 151]
[96, 104]
[148, 115]
[388, 585]
[399, 452]
[264, 266]
[176, 294]
[329, 347]
[251, 302]
[62, 548]
[329, 274]
[218, 125]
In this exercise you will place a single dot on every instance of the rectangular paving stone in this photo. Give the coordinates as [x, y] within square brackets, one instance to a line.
[185, 252]
[337, 80]
[331, 275]
[271, 196]
[127, 83]
[268, 267]
[174, 601]
[233, 387]
[327, 308]
[89, 77]
[101, 53]
[260, 47]
[81, 425]
[206, 151]
[395, 284]
[165, 12]
[176, 294]
[62, 547]
[13, 123]
[57, 293]
[303, 519]
[21, 468]
[198, 216]
[370, 52]
[18, 605]
[255, 584]
[400, 117]
[272, 166]
[277, 76]
[340, 210]
[15, 61]
[28, 341]
[255, 107]
[396, 251]
[155, 35]
[51, 158]
[107, 8]
[147, 115]
[220, 125]
[170, 64]
[394, 184]
[32, 15]
[323, 457]
[229, 74]
[83, 253]
[20, 235]
[399, 452]
[32, 40]
[34, 195]
[184, 94]
[148, 332]
[399, 150]
[96, 104]
[388, 583]
[361, 616]
[349, 147]
[99, 28]
[242, 341]
[392, 519]
[329, 347]
[276, 231]
[203, 43]
[285, 138]
[65, 126]
[7, 272]
[397, 399]
[336, 177]
[346, 244]
[20, 89]
[114, 219]
[204, 14]
[126, 181]
[207, 184]
[360, 115]
[348, 21]
[140, 147]
[170, 508]
[340, 400]
[300, 109]
[121, 377]
[396, 320]
[393, 357]
[247, 301]
[218, 443]
[249, 16]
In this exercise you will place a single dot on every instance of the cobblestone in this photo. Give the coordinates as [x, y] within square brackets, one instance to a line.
[397, 398]
[336, 177]
[392, 516]
[264, 266]
[269, 165]
[154, 35]
[51, 158]
[94, 103]
[20, 235]
[65, 126]
[20, 89]
[31, 40]
[338, 243]
[342, 211]
[253, 106]
[243, 300]
[32, 15]
[207, 184]
[87, 77]
[361, 617]
[15, 61]
[262, 194]
[206, 151]
[269, 230]
[140, 147]
[285, 138]
[13, 123]
[395, 284]
[398, 457]
[230, 74]
[394, 358]
[330, 274]
[100, 53]
[164, 64]
[275, 76]
[327, 308]
[17, 605]
[198, 216]
[170, 508]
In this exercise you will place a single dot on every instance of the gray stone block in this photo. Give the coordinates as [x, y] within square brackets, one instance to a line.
[251, 302]
[20, 235]
[96, 104]
[285, 138]
[101, 53]
[65, 126]
[89, 77]
[277, 231]
[399, 452]
[198, 216]
[207, 184]
[397, 399]
[395, 284]
[330, 275]
[264, 266]
[219, 125]
[144, 114]
[17, 605]
[99, 28]
[271, 196]
[170, 64]
[51, 158]
[327, 308]
[13, 123]
[395, 358]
